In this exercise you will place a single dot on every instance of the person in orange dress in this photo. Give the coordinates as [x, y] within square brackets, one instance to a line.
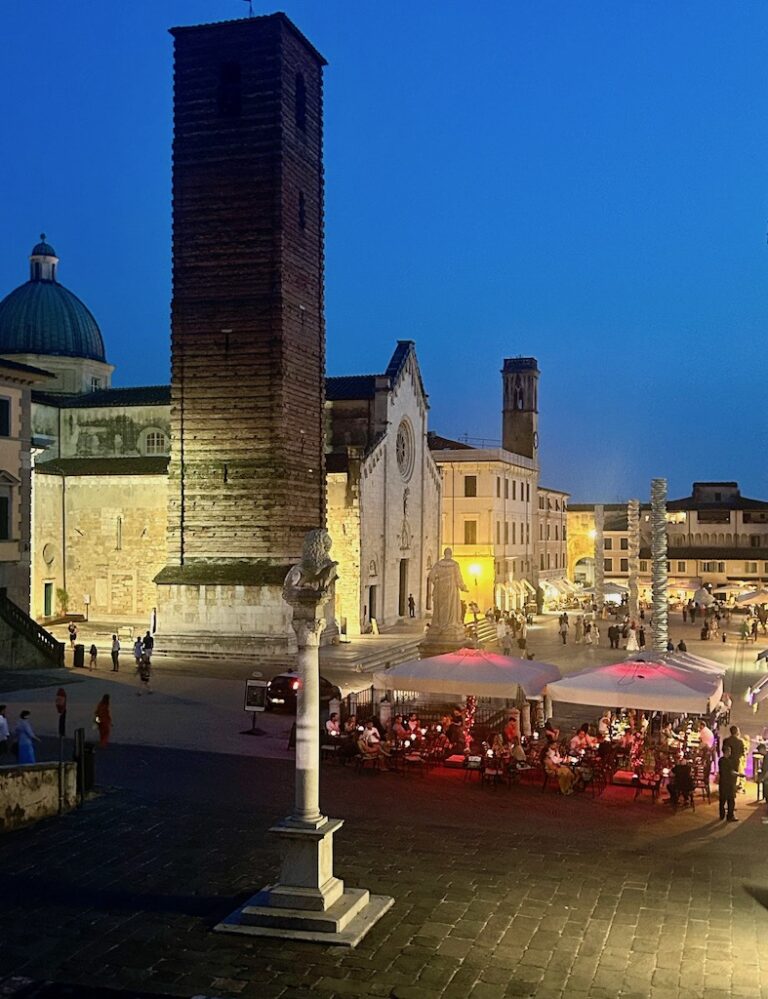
[102, 717]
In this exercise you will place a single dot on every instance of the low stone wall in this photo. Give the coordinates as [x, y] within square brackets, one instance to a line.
[31, 792]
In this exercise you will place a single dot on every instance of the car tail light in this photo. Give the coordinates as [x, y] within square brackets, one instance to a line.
[294, 685]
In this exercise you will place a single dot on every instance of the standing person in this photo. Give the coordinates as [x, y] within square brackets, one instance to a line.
[564, 628]
[115, 654]
[579, 630]
[93, 653]
[25, 739]
[411, 606]
[728, 769]
[148, 646]
[641, 637]
[102, 718]
[137, 650]
[5, 734]
[632, 643]
[685, 613]
[72, 629]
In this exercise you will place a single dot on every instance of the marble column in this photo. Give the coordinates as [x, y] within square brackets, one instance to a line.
[633, 524]
[659, 571]
[309, 902]
[599, 558]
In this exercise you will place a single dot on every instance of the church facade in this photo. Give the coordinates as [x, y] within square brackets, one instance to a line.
[100, 489]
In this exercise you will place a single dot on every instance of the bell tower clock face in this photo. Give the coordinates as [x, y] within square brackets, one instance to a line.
[536, 439]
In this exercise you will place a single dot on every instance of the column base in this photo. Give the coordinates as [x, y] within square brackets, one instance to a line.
[309, 902]
[344, 923]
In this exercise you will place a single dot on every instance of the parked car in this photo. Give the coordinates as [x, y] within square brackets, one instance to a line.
[283, 689]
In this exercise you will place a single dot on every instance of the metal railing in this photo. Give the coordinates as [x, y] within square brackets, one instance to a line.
[24, 625]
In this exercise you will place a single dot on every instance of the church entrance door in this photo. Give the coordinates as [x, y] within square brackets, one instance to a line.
[403, 594]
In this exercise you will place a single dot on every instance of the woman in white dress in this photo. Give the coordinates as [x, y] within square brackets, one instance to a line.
[632, 643]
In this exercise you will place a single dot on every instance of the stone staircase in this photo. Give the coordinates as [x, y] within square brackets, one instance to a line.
[24, 644]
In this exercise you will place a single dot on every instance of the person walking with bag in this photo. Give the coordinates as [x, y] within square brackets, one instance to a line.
[102, 719]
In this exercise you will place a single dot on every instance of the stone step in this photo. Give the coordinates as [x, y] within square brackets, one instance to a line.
[335, 919]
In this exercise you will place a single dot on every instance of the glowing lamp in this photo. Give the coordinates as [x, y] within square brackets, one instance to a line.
[474, 570]
[423, 731]
[438, 728]
[407, 743]
[294, 685]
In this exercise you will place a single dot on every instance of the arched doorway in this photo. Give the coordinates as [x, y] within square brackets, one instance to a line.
[584, 571]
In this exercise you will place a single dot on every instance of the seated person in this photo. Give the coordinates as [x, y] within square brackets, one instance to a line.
[553, 764]
[680, 782]
[370, 743]
[551, 731]
[681, 646]
[512, 728]
[582, 739]
[499, 749]
[332, 726]
[399, 731]
[441, 745]
[604, 725]
[413, 722]
[350, 725]
[517, 753]
[669, 737]
[670, 646]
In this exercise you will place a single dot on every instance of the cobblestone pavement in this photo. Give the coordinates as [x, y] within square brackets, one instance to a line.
[506, 892]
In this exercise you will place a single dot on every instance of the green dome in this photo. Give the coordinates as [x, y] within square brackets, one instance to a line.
[43, 317]
[43, 249]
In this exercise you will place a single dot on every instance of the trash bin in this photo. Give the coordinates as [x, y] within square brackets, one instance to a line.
[79, 659]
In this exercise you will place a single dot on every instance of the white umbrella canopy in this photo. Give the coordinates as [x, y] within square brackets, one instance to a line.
[469, 671]
[756, 597]
[653, 686]
[685, 660]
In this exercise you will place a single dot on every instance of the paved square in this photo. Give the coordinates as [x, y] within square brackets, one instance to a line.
[500, 892]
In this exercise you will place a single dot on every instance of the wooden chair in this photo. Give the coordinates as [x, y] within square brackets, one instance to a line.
[366, 762]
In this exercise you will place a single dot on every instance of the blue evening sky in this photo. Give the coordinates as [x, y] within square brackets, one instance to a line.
[583, 182]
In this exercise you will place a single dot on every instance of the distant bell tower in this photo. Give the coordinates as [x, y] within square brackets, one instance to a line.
[246, 475]
[520, 415]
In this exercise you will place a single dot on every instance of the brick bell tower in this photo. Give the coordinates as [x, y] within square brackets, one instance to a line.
[246, 476]
[520, 415]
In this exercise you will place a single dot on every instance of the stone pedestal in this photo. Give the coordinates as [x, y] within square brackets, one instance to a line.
[308, 902]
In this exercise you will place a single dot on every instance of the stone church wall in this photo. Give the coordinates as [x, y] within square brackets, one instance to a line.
[112, 532]
[344, 528]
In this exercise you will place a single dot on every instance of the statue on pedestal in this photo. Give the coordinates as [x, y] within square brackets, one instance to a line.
[446, 582]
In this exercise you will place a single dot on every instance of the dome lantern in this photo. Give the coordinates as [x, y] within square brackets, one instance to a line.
[42, 261]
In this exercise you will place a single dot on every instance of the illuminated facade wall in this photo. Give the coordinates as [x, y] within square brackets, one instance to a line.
[715, 536]
[100, 533]
[489, 516]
